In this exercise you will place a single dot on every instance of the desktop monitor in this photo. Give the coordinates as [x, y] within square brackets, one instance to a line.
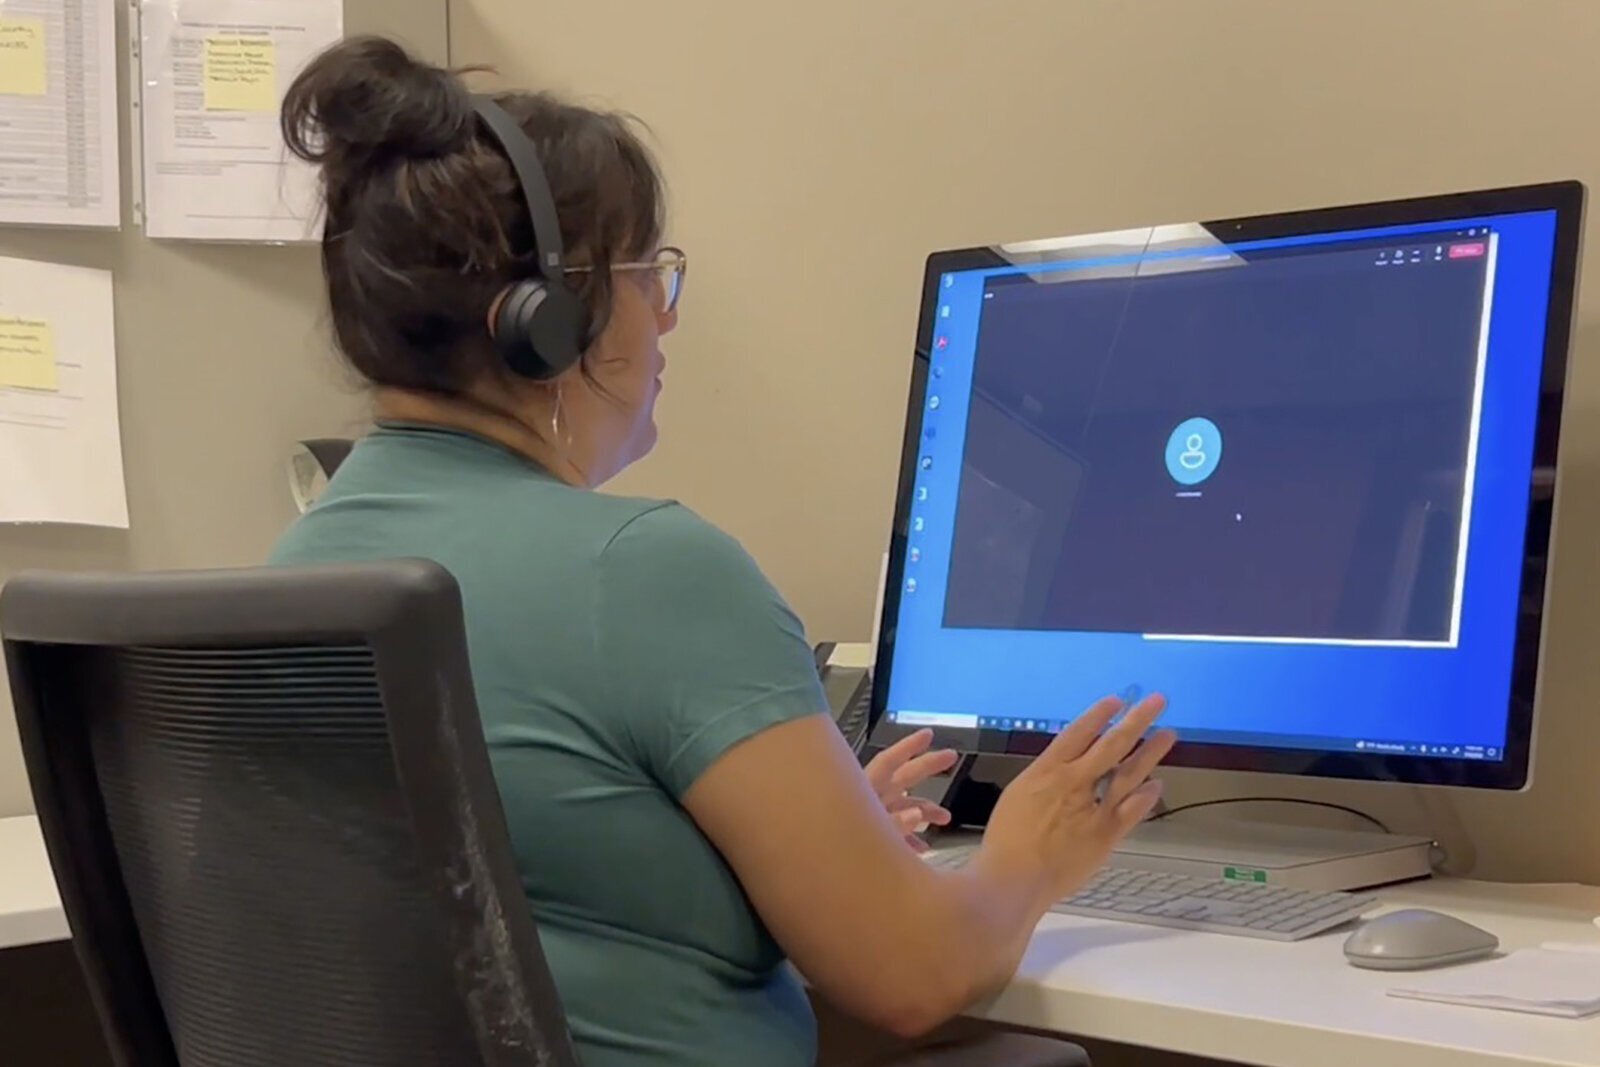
[1294, 471]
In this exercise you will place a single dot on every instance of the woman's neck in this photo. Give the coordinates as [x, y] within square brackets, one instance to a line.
[479, 419]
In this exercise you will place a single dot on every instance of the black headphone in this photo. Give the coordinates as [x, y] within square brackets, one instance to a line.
[541, 327]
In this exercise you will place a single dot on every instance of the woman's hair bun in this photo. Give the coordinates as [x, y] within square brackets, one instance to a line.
[367, 98]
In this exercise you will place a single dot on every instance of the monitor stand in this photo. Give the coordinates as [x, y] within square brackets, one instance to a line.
[1240, 850]
[1299, 857]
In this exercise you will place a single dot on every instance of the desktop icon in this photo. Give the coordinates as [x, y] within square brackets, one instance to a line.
[911, 585]
[927, 463]
[933, 403]
[1194, 451]
[916, 555]
[918, 524]
[949, 280]
[944, 312]
[922, 492]
[942, 343]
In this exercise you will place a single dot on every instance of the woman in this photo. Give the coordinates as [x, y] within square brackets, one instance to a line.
[684, 813]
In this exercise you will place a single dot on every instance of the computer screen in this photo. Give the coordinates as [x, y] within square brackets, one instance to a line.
[1286, 470]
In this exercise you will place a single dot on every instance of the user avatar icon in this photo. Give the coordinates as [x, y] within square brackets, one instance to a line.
[1194, 451]
[1193, 456]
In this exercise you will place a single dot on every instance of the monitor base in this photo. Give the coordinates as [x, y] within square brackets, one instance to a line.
[1272, 853]
[1297, 857]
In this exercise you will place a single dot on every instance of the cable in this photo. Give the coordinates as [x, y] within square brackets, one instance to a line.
[1374, 820]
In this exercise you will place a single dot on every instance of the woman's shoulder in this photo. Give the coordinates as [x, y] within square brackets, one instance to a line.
[670, 533]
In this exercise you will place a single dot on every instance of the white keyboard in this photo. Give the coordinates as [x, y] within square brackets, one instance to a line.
[1246, 909]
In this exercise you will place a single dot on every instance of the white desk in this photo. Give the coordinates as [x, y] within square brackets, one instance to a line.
[30, 908]
[1296, 1005]
[1229, 998]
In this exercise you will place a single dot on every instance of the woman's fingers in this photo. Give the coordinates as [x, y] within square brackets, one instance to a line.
[928, 765]
[1134, 771]
[1136, 807]
[912, 814]
[1075, 740]
[1115, 744]
[882, 768]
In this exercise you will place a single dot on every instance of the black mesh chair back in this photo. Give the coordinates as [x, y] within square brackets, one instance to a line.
[268, 803]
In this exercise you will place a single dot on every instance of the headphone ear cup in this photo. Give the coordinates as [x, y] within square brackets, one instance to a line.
[541, 331]
[559, 329]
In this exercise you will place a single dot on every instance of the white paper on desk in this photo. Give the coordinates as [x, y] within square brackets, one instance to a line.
[60, 438]
[1540, 981]
[214, 76]
[58, 113]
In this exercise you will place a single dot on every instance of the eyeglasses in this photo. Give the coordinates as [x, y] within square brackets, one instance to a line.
[669, 266]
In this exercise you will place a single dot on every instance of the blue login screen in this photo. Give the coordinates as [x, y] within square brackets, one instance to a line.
[1283, 482]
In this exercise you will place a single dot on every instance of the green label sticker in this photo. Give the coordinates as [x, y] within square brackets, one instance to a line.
[1243, 874]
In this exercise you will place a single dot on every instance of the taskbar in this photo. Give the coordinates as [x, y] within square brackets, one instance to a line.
[1229, 738]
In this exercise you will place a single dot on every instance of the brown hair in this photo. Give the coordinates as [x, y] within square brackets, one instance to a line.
[425, 223]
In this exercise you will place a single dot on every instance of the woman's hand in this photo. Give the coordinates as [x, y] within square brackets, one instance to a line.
[852, 906]
[1057, 823]
[900, 768]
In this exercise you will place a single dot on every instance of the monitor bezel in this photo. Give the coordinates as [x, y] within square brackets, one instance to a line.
[1514, 771]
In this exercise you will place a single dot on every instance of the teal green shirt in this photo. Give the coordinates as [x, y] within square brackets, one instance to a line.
[619, 647]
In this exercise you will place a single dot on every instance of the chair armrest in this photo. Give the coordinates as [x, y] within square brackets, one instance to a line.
[995, 1050]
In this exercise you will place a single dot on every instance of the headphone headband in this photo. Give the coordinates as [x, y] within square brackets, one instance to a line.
[541, 326]
[519, 149]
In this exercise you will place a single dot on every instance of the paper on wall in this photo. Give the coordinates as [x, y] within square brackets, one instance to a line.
[58, 113]
[214, 75]
[60, 437]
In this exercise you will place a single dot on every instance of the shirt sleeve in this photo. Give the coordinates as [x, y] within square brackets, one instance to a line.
[700, 650]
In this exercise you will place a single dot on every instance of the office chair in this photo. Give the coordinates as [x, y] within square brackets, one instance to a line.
[269, 807]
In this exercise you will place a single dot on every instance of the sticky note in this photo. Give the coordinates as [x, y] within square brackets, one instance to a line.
[27, 354]
[241, 74]
[22, 71]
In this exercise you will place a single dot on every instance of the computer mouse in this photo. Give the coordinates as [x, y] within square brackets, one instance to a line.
[1415, 939]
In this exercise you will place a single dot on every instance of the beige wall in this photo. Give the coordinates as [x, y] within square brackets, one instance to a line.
[817, 151]
[223, 362]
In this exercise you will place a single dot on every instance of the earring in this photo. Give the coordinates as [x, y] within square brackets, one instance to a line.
[559, 433]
